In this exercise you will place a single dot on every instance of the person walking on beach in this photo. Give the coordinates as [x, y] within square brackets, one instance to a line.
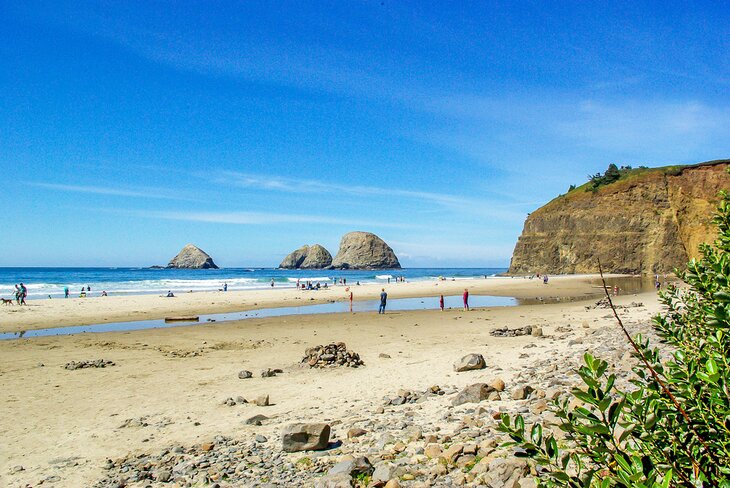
[466, 299]
[383, 300]
[225, 286]
[23, 294]
[441, 302]
[350, 301]
[65, 291]
[544, 279]
[17, 294]
[272, 282]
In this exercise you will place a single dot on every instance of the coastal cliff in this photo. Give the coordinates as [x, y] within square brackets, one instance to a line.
[648, 221]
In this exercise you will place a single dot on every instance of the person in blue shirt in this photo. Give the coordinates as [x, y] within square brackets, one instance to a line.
[383, 300]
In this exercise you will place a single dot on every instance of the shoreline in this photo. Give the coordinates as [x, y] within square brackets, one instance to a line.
[168, 387]
[53, 313]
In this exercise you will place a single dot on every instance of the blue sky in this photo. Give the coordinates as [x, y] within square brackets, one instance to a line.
[128, 129]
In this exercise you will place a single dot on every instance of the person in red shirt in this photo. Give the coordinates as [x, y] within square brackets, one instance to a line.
[466, 299]
[441, 302]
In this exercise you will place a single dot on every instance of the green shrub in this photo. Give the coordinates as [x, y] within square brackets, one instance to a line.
[673, 427]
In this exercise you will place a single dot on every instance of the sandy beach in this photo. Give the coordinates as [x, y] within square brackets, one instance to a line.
[167, 387]
[47, 313]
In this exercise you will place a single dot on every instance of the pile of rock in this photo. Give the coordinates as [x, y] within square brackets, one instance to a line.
[231, 462]
[507, 332]
[99, 363]
[261, 401]
[604, 303]
[331, 355]
[408, 396]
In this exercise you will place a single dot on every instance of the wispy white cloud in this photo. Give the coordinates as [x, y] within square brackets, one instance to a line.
[494, 208]
[260, 218]
[493, 130]
[155, 193]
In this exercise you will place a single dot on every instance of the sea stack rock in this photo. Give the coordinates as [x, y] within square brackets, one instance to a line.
[192, 257]
[364, 250]
[306, 257]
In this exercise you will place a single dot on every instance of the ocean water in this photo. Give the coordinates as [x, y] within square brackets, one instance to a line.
[45, 282]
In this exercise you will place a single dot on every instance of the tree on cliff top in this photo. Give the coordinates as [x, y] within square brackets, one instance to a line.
[673, 427]
[612, 174]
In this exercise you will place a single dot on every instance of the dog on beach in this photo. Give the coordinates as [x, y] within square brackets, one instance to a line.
[6, 301]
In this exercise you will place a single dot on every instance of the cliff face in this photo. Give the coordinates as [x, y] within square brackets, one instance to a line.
[650, 222]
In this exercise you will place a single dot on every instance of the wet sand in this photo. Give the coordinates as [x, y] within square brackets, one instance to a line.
[47, 313]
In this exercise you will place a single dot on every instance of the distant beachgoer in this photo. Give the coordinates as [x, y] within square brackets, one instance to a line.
[466, 299]
[225, 286]
[88, 288]
[297, 283]
[657, 284]
[344, 281]
[383, 301]
[23, 294]
[17, 294]
[170, 294]
[441, 302]
[545, 279]
[272, 282]
[65, 291]
[358, 283]
[350, 301]
[388, 279]
[103, 293]
[615, 290]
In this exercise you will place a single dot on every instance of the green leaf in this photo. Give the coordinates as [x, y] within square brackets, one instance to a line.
[711, 367]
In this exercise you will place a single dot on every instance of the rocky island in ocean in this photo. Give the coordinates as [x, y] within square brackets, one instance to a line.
[192, 257]
[307, 257]
[364, 250]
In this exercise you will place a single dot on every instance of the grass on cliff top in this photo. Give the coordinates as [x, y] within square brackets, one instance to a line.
[627, 175]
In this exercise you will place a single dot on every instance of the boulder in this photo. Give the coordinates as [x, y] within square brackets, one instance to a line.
[352, 467]
[473, 394]
[470, 362]
[305, 437]
[340, 480]
[364, 250]
[192, 257]
[306, 257]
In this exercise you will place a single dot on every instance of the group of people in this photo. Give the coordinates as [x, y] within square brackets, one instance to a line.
[384, 301]
[20, 293]
[309, 285]
[398, 279]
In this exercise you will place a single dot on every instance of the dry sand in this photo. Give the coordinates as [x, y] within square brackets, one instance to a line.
[57, 422]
